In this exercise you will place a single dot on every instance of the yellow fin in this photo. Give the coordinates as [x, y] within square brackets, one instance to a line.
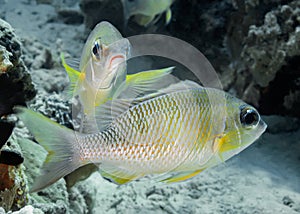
[73, 75]
[145, 81]
[143, 20]
[225, 143]
[182, 176]
[168, 16]
[148, 76]
[117, 174]
[57, 140]
[115, 179]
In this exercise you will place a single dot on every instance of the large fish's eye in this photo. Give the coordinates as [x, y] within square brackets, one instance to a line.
[97, 50]
[249, 117]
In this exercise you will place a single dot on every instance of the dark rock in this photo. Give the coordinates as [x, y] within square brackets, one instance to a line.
[15, 89]
[11, 93]
[11, 158]
[71, 16]
[6, 130]
[288, 201]
[98, 10]
[15, 82]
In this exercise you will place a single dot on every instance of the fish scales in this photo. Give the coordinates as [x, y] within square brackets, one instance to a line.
[168, 135]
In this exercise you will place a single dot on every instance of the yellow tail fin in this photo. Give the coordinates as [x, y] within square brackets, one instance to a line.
[60, 143]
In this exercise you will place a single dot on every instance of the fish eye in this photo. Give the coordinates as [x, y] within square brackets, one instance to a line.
[97, 50]
[249, 117]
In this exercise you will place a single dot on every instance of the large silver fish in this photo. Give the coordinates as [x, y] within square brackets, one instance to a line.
[178, 132]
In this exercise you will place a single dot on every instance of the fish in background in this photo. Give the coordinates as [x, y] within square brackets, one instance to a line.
[102, 70]
[146, 12]
[175, 134]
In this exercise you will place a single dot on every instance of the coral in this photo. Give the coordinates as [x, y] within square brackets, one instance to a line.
[54, 107]
[37, 55]
[50, 80]
[263, 43]
[15, 83]
[269, 46]
[28, 210]
[13, 187]
[15, 88]
[13, 182]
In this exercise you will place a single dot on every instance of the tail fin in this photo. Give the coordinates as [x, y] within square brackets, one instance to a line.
[59, 141]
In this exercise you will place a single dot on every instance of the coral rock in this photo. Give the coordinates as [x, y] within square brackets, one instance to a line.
[15, 82]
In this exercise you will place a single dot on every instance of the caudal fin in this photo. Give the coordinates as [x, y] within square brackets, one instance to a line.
[59, 141]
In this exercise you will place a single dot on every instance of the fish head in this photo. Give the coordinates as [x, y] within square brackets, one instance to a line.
[107, 65]
[243, 125]
[104, 57]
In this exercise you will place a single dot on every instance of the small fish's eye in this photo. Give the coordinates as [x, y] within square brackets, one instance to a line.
[249, 117]
[97, 50]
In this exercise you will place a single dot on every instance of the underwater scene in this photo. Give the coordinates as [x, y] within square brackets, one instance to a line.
[149, 106]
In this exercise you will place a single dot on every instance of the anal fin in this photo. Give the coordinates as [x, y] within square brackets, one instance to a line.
[115, 179]
[117, 174]
[182, 176]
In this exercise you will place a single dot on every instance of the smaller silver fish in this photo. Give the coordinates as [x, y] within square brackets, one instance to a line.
[146, 11]
[103, 69]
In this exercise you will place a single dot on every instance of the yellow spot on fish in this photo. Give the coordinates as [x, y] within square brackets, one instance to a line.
[82, 76]
[51, 153]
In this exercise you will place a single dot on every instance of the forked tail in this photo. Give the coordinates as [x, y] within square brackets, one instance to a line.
[60, 142]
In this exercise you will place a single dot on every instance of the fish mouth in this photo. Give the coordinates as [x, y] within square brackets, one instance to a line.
[263, 126]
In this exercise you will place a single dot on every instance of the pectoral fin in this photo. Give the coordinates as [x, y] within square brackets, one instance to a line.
[182, 176]
[73, 75]
[116, 174]
[143, 82]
